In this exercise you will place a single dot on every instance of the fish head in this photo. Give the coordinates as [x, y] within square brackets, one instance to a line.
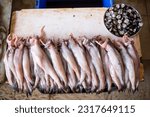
[118, 44]
[10, 39]
[73, 40]
[83, 40]
[16, 40]
[49, 44]
[27, 40]
[126, 40]
[19, 42]
[65, 42]
[33, 40]
[102, 42]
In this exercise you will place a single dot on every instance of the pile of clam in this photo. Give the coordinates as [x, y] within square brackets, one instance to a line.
[72, 65]
[122, 19]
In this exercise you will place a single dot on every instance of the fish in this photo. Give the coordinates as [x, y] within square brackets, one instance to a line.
[94, 78]
[79, 54]
[47, 82]
[18, 57]
[27, 68]
[26, 89]
[114, 77]
[70, 59]
[57, 62]
[98, 65]
[8, 58]
[38, 72]
[41, 79]
[11, 64]
[41, 59]
[114, 59]
[129, 43]
[52, 86]
[128, 63]
[9, 74]
[72, 81]
[105, 60]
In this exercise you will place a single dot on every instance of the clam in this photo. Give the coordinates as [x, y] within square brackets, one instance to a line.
[121, 19]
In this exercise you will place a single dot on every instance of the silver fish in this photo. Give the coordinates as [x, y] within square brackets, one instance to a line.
[27, 68]
[105, 60]
[9, 74]
[57, 62]
[18, 57]
[128, 62]
[94, 78]
[79, 54]
[42, 61]
[128, 42]
[68, 56]
[114, 59]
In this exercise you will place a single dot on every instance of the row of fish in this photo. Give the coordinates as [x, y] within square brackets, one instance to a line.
[71, 65]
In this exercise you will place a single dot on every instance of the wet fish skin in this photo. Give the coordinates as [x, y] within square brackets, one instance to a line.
[9, 74]
[94, 78]
[71, 77]
[129, 43]
[69, 57]
[97, 62]
[114, 64]
[57, 63]
[80, 57]
[18, 57]
[129, 64]
[105, 60]
[27, 69]
[114, 60]
[41, 59]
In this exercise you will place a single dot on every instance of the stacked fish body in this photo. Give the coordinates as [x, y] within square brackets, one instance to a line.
[71, 65]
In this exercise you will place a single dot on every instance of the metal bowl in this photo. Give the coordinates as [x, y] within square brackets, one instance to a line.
[122, 19]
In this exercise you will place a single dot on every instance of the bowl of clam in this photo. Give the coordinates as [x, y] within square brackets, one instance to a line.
[121, 19]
